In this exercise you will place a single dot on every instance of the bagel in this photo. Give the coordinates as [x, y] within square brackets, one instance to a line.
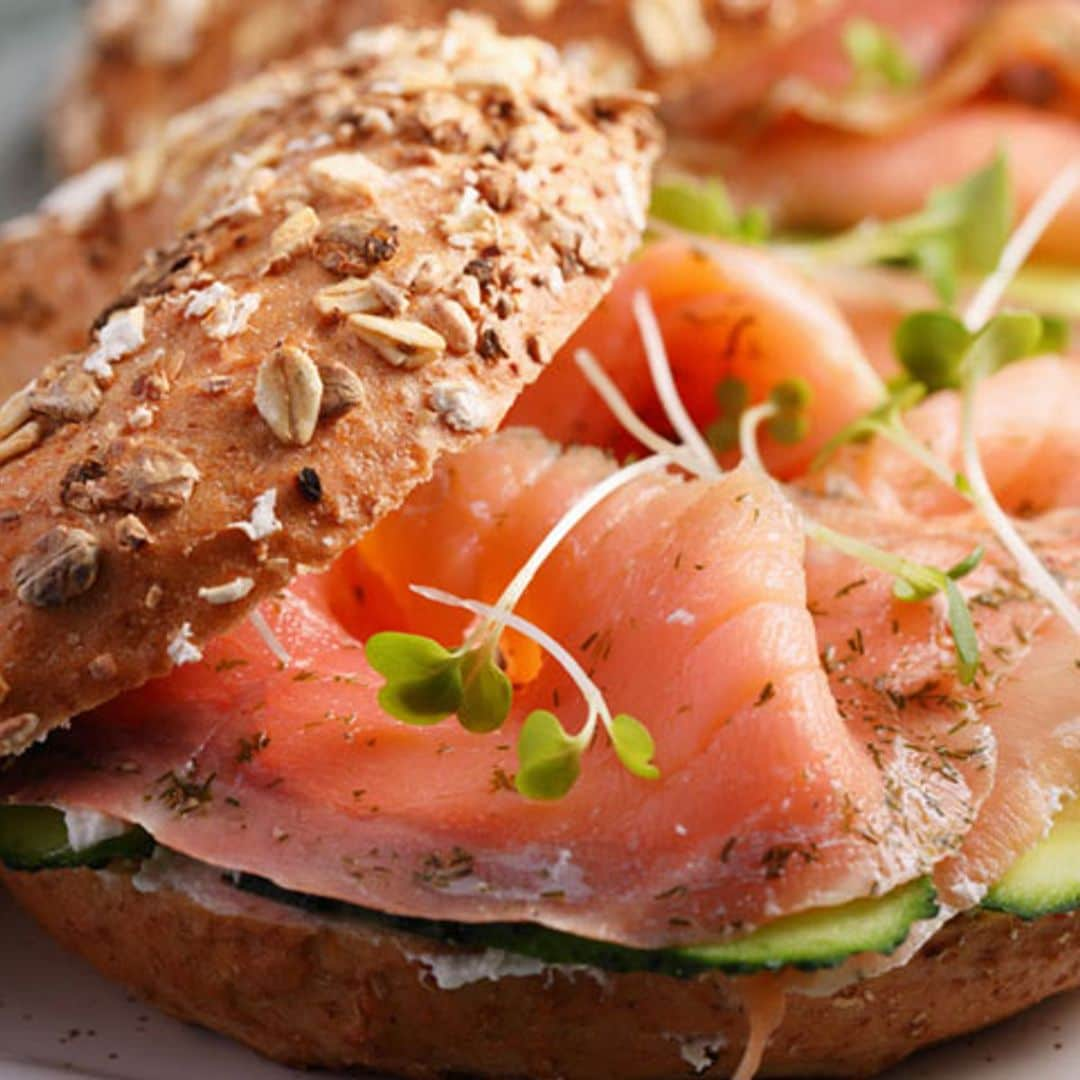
[332, 992]
[145, 62]
[365, 253]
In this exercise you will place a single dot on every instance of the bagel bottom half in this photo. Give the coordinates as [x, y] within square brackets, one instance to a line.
[337, 993]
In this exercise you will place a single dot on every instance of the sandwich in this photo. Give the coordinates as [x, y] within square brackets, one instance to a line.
[707, 708]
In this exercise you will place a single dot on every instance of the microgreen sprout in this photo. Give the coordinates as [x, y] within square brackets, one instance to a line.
[784, 416]
[549, 758]
[1021, 244]
[877, 57]
[787, 407]
[961, 230]
[732, 400]
[426, 683]
[1000, 341]
[705, 208]
[664, 381]
[939, 351]
[915, 582]
[912, 582]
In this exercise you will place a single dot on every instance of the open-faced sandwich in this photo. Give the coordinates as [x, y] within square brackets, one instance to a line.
[709, 707]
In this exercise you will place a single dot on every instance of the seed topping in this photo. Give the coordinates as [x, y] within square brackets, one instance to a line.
[59, 568]
[72, 398]
[400, 342]
[342, 390]
[292, 237]
[288, 395]
[460, 407]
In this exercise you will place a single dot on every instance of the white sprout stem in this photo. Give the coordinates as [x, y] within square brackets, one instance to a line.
[513, 593]
[664, 381]
[594, 699]
[1031, 567]
[620, 408]
[904, 440]
[749, 423]
[278, 650]
[886, 561]
[1020, 246]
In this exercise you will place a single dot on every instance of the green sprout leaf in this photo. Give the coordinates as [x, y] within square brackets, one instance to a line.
[423, 680]
[878, 57]
[635, 746]
[979, 213]
[1056, 333]
[967, 565]
[938, 351]
[487, 694]
[732, 398]
[962, 229]
[792, 399]
[931, 346]
[707, 209]
[549, 760]
[915, 583]
[1007, 338]
[935, 259]
[964, 636]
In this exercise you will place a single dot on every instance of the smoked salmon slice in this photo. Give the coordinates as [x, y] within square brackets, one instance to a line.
[726, 313]
[1020, 721]
[812, 177]
[687, 602]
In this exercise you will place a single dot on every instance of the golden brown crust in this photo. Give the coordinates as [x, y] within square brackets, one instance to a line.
[383, 247]
[338, 994]
[145, 62]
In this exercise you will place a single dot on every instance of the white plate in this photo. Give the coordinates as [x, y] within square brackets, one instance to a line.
[58, 1018]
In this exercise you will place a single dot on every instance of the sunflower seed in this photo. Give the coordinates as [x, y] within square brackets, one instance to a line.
[61, 566]
[342, 390]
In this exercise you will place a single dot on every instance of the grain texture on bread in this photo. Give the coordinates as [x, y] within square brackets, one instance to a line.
[146, 61]
[317, 992]
[391, 243]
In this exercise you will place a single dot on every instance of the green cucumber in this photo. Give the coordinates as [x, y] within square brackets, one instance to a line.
[1045, 880]
[36, 838]
[811, 941]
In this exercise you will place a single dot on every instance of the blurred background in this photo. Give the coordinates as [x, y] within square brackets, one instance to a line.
[36, 40]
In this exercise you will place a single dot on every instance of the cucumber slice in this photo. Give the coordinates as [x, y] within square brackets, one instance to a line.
[811, 941]
[1045, 880]
[826, 937]
[36, 838]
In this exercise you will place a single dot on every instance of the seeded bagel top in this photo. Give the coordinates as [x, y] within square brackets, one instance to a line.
[391, 242]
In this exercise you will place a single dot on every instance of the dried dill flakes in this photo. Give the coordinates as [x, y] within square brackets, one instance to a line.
[768, 692]
[775, 861]
[850, 587]
[440, 870]
[185, 794]
[251, 746]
